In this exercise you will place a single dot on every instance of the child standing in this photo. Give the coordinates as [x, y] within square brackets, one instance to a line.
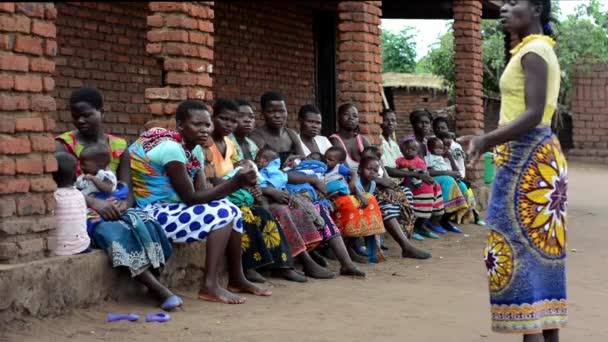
[70, 210]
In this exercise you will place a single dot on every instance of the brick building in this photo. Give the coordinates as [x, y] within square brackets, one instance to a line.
[406, 92]
[147, 57]
[589, 96]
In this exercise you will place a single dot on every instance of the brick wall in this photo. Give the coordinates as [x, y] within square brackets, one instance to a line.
[104, 45]
[265, 45]
[360, 62]
[405, 101]
[589, 100]
[27, 48]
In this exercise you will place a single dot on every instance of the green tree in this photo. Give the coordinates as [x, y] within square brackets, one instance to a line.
[399, 50]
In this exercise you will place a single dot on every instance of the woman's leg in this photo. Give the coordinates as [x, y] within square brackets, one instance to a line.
[551, 335]
[407, 249]
[312, 269]
[237, 281]
[347, 266]
[534, 338]
[217, 241]
[351, 247]
[151, 282]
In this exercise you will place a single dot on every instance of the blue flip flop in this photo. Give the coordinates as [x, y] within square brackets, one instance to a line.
[171, 303]
[437, 229]
[159, 317]
[121, 317]
[428, 234]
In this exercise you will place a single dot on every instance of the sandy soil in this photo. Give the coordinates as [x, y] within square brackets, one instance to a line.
[444, 299]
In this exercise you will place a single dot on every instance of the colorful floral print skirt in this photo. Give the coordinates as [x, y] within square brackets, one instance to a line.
[526, 252]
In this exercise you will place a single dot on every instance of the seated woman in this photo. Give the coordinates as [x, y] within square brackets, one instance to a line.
[300, 232]
[310, 120]
[169, 183]
[427, 200]
[131, 238]
[453, 200]
[274, 133]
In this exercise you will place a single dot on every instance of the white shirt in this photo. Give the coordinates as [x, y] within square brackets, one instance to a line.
[71, 218]
[322, 143]
[459, 157]
[87, 187]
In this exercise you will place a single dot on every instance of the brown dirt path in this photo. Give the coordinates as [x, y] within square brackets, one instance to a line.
[444, 299]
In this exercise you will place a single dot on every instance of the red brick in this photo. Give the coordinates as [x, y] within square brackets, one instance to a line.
[205, 26]
[44, 29]
[29, 124]
[7, 166]
[50, 48]
[156, 108]
[8, 7]
[31, 165]
[11, 103]
[28, 83]
[154, 48]
[181, 7]
[181, 22]
[13, 62]
[6, 82]
[181, 78]
[45, 184]
[31, 9]
[42, 64]
[50, 12]
[48, 83]
[155, 21]
[49, 199]
[30, 205]
[27, 44]
[42, 143]
[50, 164]
[14, 185]
[43, 103]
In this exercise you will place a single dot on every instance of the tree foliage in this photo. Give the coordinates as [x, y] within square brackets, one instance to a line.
[399, 50]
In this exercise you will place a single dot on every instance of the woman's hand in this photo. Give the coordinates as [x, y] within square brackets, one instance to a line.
[475, 146]
[107, 210]
[279, 196]
[320, 186]
[386, 183]
[246, 176]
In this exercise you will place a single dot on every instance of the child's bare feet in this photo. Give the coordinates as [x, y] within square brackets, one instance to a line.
[220, 295]
[245, 286]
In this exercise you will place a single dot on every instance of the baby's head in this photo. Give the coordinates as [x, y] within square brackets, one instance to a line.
[265, 156]
[372, 151]
[410, 149]
[334, 156]
[369, 167]
[435, 146]
[316, 156]
[447, 139]
[65, 175]
[94, 157]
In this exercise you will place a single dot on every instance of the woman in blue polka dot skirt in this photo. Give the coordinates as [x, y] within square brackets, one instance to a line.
[169, 183]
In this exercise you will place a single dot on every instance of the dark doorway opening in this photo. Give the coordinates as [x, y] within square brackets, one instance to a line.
[325, 46]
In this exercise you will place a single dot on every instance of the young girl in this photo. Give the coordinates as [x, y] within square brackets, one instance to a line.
[70, 210]
[392, 211]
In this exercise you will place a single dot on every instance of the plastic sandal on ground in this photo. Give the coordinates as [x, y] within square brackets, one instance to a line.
[159, 317]
[417, 237]
[428, 234]
[452, 228]
[481, 223]
[171, 303]
[120, 317]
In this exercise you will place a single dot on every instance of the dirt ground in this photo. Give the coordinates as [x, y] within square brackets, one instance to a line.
[444, 299]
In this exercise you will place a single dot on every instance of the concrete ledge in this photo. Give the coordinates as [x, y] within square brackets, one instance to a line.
[59, 284]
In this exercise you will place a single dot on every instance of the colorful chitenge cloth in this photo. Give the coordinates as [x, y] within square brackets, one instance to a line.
[526, 251]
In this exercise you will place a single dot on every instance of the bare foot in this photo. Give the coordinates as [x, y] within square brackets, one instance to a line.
[291, 275]
[317, 272]
[356, 257]
[352, 272]
[245, 286]
[416, 253]
[254, 277]
[220, 295]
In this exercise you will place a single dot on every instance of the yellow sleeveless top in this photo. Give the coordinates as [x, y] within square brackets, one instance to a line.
[512, 80]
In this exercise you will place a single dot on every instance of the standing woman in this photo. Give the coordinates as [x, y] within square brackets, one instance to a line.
[526, 250]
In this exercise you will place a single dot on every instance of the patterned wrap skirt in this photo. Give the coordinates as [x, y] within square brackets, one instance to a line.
[526, 250]
[300, 230]
[428, 199]
[453, 198]
[398, 208]
[354, 221]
